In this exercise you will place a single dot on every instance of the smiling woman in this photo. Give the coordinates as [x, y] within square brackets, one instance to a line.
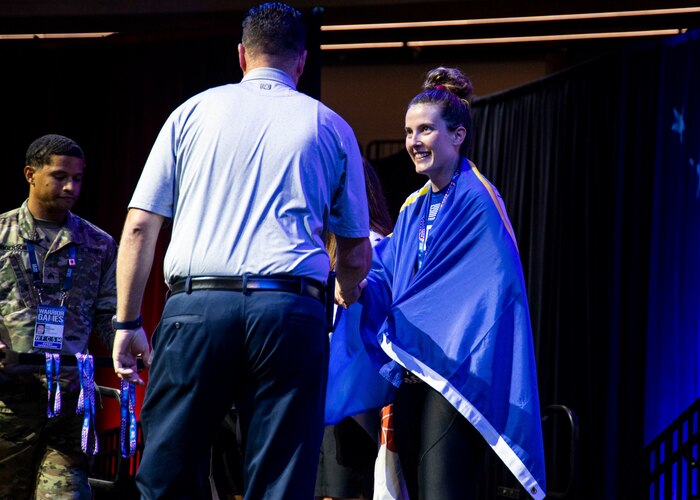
[438, 121]
[434, 148]
[458, 328]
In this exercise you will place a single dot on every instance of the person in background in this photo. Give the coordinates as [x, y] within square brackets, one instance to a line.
[349, 448]
[52, 264]
[253, 175]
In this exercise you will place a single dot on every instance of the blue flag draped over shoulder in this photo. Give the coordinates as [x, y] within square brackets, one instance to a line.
[461, 322]
[354, 384]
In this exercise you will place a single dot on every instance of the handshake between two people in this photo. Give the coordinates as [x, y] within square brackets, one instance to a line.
[345, 298]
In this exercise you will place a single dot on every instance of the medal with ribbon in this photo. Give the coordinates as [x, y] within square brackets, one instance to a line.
[86, 403]
[128, 419]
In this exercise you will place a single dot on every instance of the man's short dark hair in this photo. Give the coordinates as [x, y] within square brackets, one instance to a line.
[41, 150]
[274, 29]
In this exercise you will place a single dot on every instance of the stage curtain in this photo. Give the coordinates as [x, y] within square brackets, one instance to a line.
[673, 341]
[573, 157]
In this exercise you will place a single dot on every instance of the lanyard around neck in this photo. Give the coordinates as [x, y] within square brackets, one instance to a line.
[422, 225]
[37, 280]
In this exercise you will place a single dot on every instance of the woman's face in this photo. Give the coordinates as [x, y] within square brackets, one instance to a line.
[433, 148]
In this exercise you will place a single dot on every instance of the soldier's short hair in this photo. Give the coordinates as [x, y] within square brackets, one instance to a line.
[42, 149]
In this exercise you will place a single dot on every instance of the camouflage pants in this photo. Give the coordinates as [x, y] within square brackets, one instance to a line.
[40, 458]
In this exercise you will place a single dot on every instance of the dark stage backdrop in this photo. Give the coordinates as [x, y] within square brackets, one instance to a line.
[574, 158]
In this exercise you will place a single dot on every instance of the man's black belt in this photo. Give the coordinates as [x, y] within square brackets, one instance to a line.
[252, 283]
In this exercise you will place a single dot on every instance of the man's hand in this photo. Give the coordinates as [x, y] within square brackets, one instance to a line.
[128, 345]
[134, 260]
[345, 298]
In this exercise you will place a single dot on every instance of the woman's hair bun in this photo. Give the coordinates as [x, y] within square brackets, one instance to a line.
[452, 80]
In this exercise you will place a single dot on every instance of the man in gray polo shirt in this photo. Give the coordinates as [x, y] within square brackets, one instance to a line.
[252, 175]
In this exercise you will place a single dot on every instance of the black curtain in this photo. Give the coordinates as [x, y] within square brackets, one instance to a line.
[573, 157]
[111, 96]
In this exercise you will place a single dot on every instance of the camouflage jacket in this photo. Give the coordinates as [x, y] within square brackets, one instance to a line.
[91, 300]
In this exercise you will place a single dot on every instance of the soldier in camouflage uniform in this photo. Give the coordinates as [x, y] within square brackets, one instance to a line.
[42, 457]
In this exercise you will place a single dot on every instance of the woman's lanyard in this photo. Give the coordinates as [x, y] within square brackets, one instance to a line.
[422, 225]
[38, 282]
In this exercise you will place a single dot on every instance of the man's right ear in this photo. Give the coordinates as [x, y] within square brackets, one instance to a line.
[241, 57]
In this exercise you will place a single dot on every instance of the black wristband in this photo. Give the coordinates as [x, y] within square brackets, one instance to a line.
[125, 325]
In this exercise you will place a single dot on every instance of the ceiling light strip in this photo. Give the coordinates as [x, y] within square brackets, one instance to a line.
[31, 36]
[543, 38]
[505, 39]
[369, 45]
[502, 20]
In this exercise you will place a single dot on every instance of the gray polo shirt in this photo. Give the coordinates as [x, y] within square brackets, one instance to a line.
[252, 175]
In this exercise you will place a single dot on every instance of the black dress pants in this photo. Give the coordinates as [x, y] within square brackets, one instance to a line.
[267, 353]
[442, 454]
